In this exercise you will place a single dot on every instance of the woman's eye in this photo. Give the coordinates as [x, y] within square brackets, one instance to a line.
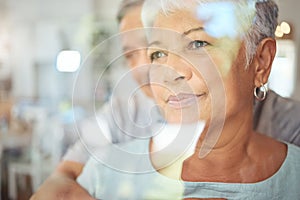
[197, 44]
[156, 55]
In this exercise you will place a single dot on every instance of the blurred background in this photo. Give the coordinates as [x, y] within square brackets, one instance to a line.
[42, 45]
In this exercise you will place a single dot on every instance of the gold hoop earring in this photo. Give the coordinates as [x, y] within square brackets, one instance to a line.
[264, 90]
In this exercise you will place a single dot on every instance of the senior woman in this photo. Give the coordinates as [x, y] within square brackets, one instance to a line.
[242, 162]
[210, 59]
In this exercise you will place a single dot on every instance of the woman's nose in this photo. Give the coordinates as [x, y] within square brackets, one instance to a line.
[180, 67]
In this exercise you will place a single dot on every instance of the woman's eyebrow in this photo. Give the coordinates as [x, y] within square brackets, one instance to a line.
[157, 43]
[193, 30]
[154, 43]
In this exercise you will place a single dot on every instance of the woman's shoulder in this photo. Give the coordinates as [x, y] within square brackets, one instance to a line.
[290, 168]
[293, 155]
[289, 172]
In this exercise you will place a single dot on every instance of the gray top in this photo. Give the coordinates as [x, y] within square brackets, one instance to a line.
[278, 117]
[104, 182]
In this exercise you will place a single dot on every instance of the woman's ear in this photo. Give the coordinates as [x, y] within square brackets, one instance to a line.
[264, 57]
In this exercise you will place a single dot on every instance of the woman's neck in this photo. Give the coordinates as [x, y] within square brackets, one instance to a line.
[240, 155]
[231, 139]
[232, 144]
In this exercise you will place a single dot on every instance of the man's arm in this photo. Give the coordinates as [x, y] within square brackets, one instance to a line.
[62, 184]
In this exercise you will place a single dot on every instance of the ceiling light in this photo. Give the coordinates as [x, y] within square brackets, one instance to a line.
[68, 61]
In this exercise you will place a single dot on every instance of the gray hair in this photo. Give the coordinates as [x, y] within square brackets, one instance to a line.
[127, 5]
[262, 23]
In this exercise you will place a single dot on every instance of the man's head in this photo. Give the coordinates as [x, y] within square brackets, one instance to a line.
[134, 43]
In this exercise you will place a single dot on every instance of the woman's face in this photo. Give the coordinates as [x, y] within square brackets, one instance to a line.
[194, 73]
[134, 46]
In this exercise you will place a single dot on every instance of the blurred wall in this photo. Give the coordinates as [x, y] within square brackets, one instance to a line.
[289, 11]
[37, 30]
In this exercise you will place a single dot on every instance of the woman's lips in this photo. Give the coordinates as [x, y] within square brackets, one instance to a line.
[182, 100]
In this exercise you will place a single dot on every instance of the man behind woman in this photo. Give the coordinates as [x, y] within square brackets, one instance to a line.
[136, 16]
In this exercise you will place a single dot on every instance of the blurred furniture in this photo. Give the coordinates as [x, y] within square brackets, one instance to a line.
[44, 154]
[14, 140]
[0, 167]
[13, 143]
[5, 109]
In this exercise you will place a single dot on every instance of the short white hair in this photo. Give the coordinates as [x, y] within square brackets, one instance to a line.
[261, 24]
